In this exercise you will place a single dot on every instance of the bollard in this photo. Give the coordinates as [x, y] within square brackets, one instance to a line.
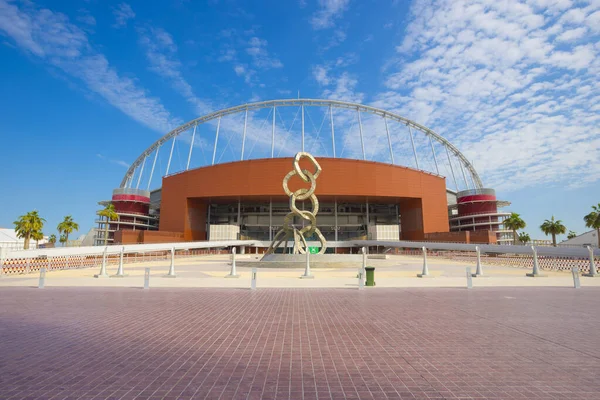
[120, 273]
[536, 268]
[102, 273]
[307, 274]
[147, 278]
[233, 273]
[362, 269]
[425, 272]
[478, 270]
[361, 281]
[253, 281]
[593, 273]
[576, 282]
[42, 281]
[171, 273]
[470, 278]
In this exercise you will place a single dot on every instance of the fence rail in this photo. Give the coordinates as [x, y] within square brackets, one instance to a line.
[23, 261]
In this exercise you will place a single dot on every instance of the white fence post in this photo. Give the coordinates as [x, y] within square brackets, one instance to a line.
[307, 274]
[478, 270]
[425, 272]
[536, 268]
[171, 273]
[120, 273]
[593, 273]
[233, 273]
[103, 273]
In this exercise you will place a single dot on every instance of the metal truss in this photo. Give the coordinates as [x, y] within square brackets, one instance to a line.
[360, 108]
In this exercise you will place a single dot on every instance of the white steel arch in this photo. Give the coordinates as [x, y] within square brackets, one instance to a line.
[359, 108]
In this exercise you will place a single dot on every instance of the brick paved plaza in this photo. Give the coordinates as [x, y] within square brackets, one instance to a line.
[501, 343]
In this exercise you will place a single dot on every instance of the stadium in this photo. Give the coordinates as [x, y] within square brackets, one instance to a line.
[385, 177]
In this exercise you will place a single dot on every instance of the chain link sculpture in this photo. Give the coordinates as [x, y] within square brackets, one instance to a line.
[288, 231]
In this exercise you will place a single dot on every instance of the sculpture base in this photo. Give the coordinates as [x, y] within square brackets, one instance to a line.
[299, 261]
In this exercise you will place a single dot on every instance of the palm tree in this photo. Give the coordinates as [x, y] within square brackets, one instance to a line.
[52, 239]
[28, 225]
[524, 238]
[571, 235]
[67, 226]
[553, 227]
[63, 239]
[110, 214]
[592, 220]
[514, 223]
[37, 236]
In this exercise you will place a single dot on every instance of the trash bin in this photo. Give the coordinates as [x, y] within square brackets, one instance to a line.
[370, 276]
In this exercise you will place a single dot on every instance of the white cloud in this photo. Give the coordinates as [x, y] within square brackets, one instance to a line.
[161, 52]
[227, 55]
[117, 162]
[122, 13]
[329, 10]
[337, 37]
[343, 88]
[511, 84]
[257, 49]
[243, 71]
[320, 74]
[51, 37]
[593, 21]
[571, 34]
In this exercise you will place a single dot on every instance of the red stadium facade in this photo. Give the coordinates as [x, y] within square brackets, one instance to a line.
[369, 194]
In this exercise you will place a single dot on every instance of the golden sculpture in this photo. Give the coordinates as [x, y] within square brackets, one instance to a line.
[288, 231]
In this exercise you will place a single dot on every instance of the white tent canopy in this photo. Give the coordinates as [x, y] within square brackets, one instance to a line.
[9, 240]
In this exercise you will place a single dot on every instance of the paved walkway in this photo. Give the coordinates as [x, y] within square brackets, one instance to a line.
[210, 271]
[99, 343]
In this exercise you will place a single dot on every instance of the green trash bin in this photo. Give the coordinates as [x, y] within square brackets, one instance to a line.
[370, 276]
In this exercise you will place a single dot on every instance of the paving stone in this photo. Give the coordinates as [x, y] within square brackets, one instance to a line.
[125, 343]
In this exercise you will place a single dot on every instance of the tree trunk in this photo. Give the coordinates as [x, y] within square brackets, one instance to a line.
[106, 232]
[515, 239]
[598, 236]
[66, 239]
[554, 239]
[26, 243]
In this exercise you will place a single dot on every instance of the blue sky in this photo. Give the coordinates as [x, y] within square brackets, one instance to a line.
[87, 86]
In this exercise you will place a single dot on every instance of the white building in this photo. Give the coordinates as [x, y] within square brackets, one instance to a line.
[585, 239]
[9, 240]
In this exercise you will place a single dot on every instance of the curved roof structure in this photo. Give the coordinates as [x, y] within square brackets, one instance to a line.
[362, 131]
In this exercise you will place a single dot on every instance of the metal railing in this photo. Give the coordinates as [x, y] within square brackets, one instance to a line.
[473, 192]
